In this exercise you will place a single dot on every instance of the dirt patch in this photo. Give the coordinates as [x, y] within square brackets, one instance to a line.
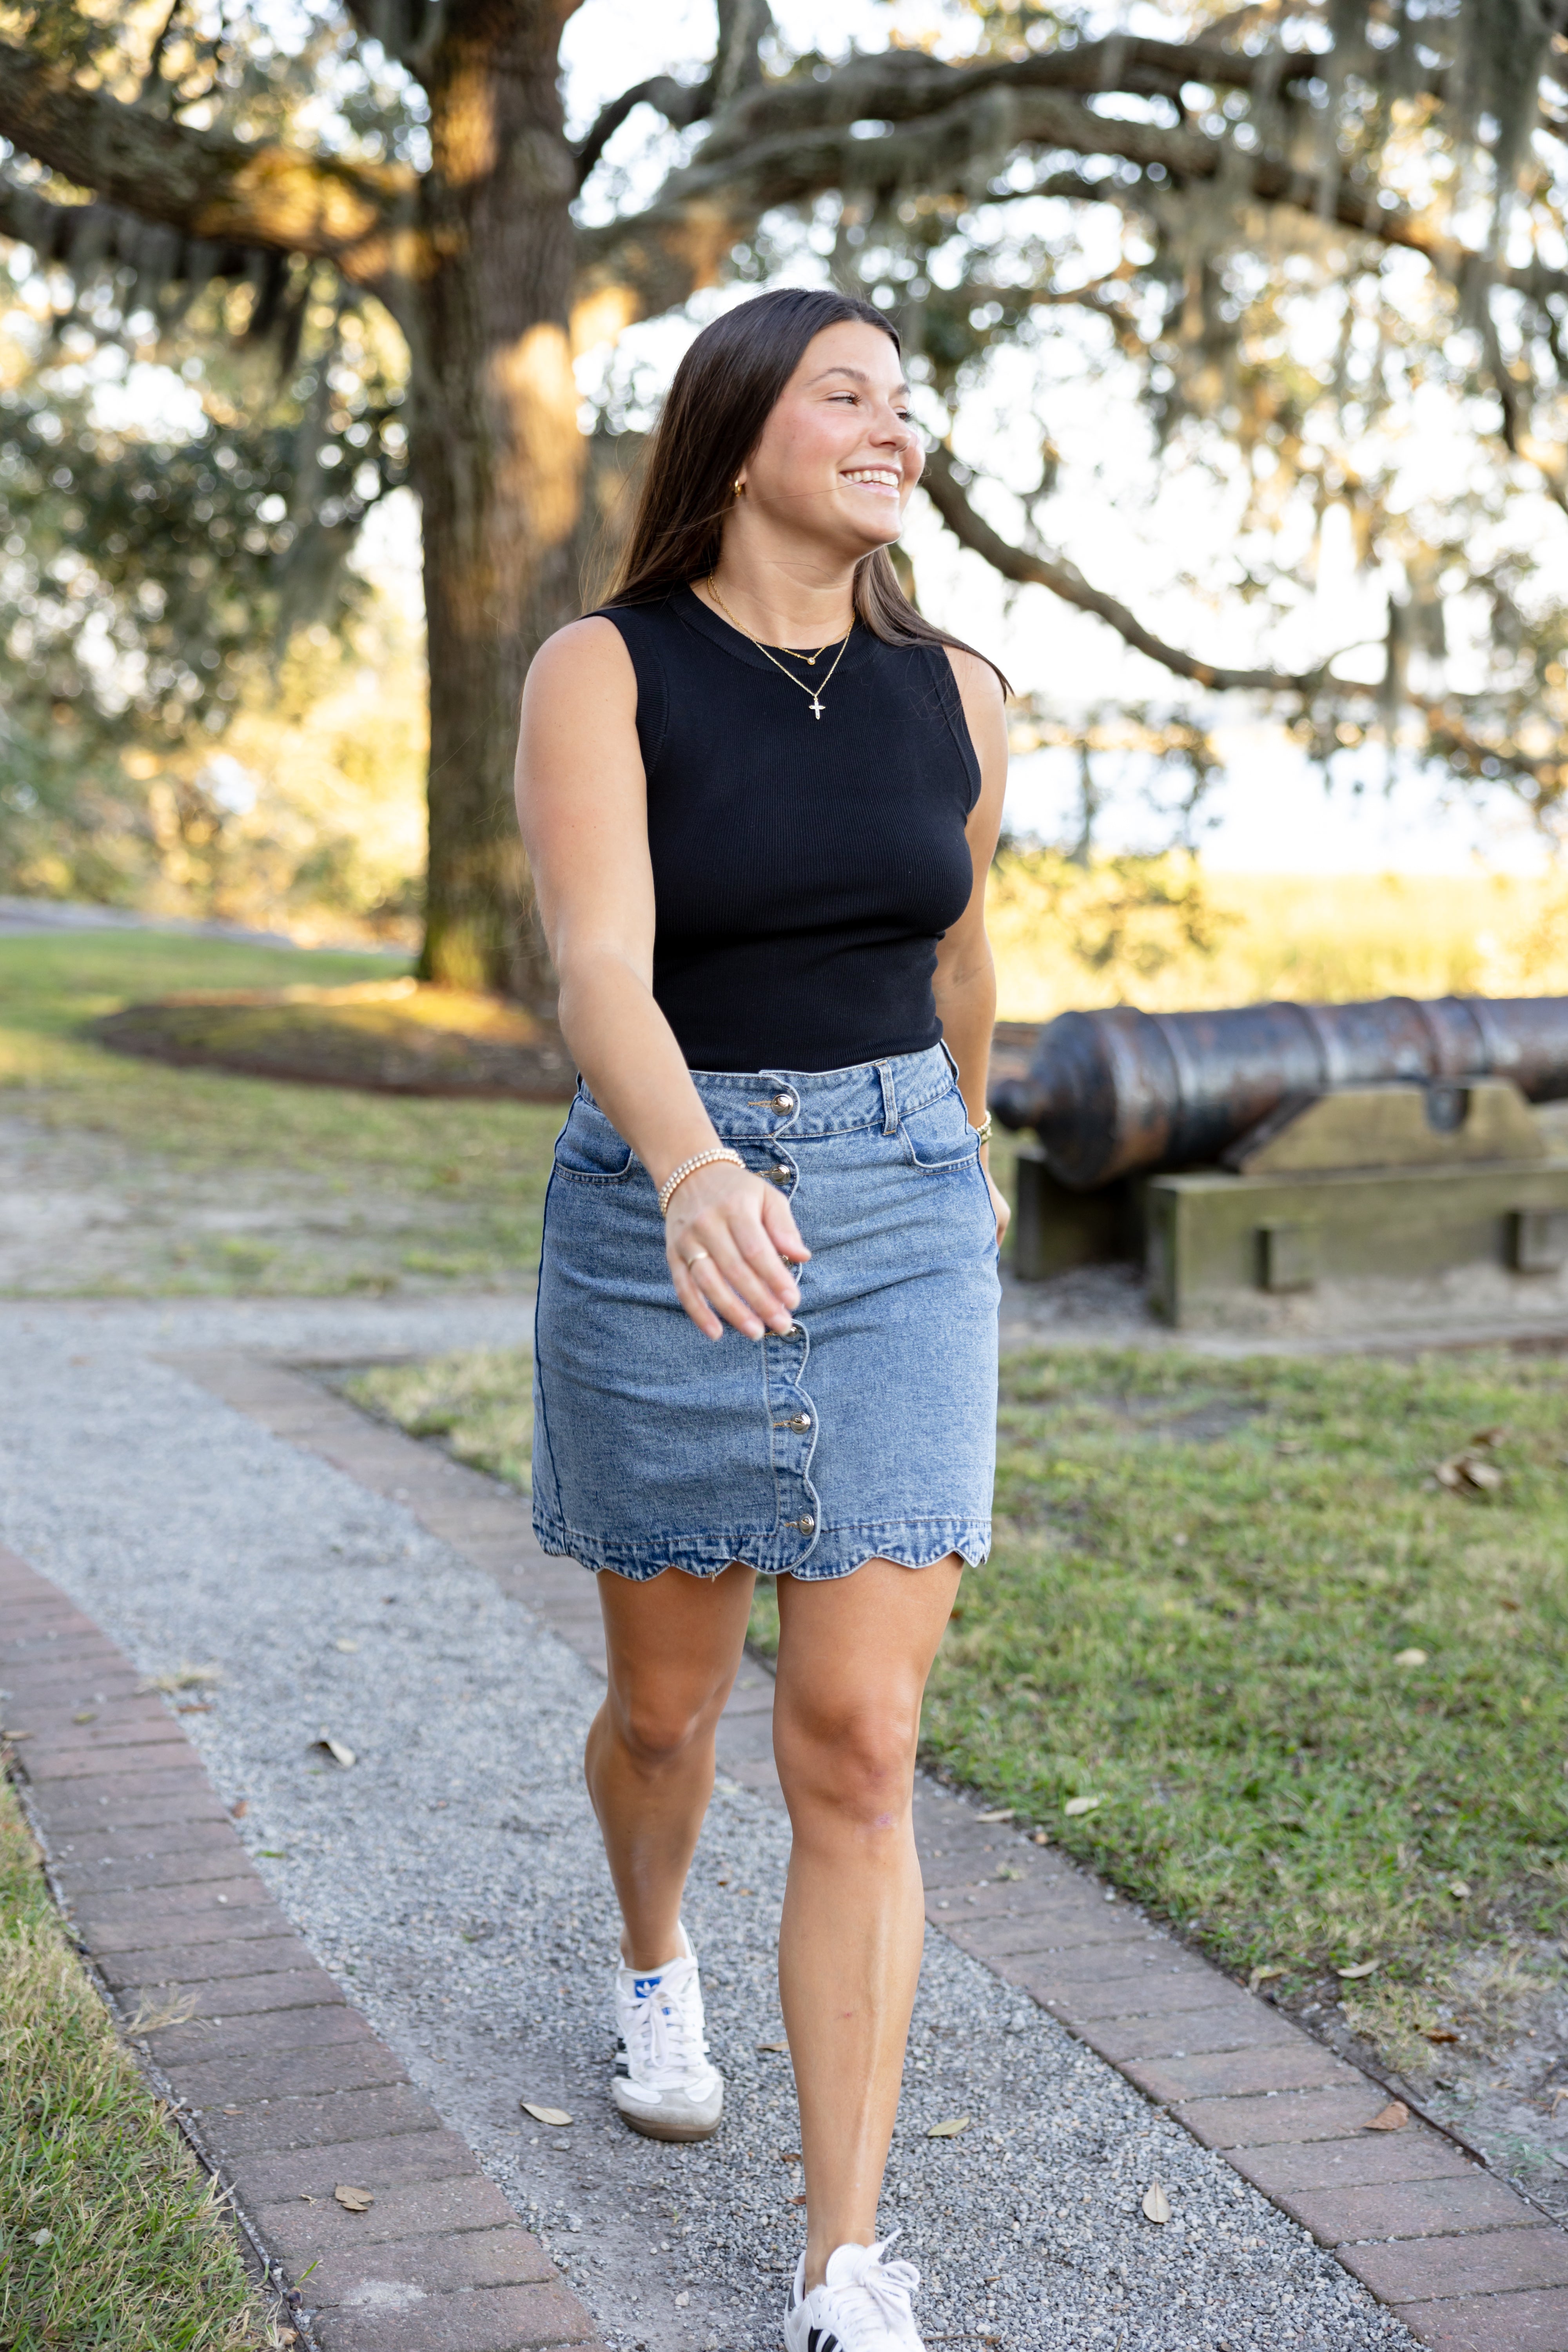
[393, 1036]
[80, 1214]
[1482, 2049]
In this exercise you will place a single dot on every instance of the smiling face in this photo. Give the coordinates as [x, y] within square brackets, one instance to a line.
[840, 453]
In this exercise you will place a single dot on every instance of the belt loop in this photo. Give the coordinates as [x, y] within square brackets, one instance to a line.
[889, 1098]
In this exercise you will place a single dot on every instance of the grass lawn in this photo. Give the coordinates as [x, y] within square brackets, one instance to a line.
[1300, 1698]
[287, 1187]
[110, 2239]
[478, 1403]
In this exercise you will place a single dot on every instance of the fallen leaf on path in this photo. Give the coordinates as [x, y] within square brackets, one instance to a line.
[800, 2200]
[1459, 1890]
[238, 1809]
[790, 2156]
[1439, 2033]
[773, 2046]
[556, 2116]
[184, 1677]
[1468, 1473]
[1076, 1805]
[87, 1714]
[1410, 1657]
[998, 1813]
[1262, 1975]
[1156, 2204]
[1006, 1869]
[949, 2129]
[327, 1746]
[354, 2201]
[1393, 2118]
[195, 1706]
[43, 2238]
[1042, 1837]
[1360, 1969]
[14, 1736]
[346, 1646]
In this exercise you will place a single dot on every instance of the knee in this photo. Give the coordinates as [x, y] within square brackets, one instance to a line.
[656, 1730]
[857, 1766]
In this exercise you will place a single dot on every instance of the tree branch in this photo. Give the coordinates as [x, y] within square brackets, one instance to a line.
[212, 190]
[736, 68]
[1065, 581]
[680, 103]
[953, 126]
[79, 235]
[905, 85]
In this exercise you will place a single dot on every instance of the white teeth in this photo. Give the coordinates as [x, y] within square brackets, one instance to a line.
[890, 480]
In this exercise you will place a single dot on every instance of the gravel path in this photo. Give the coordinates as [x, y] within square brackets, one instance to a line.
[453, 1880]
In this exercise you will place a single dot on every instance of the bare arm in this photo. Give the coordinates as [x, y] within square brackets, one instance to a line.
[964, 984]
[582, 802]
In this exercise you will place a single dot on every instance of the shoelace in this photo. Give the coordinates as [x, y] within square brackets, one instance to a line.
[886, 2286]
[663, 2030]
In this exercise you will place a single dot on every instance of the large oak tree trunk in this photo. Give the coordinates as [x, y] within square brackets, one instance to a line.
[498, 462]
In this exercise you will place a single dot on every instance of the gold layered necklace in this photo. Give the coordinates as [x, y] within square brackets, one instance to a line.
[815, 692]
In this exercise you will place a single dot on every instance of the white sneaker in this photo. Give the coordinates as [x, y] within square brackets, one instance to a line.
[663, 2086]
[862, 2305]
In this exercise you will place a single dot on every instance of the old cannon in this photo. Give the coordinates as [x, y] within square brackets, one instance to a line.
[1292, 1149]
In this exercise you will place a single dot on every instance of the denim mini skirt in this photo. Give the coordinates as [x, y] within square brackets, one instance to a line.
[868, 1431]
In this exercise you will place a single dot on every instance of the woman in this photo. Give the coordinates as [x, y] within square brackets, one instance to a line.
[760, 795]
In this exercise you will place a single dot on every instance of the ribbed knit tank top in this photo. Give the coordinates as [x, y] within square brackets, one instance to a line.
[803, 869]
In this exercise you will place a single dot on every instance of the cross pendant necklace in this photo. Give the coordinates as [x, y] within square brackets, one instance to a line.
[815, 692]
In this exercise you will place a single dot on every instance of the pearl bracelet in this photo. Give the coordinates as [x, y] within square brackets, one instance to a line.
[689, 1167]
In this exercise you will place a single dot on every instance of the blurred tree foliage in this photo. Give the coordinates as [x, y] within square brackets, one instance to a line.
[1317, 243]
[155, 570]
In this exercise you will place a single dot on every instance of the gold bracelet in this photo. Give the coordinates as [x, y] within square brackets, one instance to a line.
[689, 1167]
[984, 1130]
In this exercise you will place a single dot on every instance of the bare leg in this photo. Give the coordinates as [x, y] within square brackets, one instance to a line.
[674, 1644]
[854, 1656]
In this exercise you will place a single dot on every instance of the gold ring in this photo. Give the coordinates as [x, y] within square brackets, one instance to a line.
[695, 1255]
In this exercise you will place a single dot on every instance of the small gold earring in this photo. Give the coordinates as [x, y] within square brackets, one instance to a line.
[739, 487]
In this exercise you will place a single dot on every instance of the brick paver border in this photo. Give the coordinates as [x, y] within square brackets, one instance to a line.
[1467, 2263]
[280, 2085]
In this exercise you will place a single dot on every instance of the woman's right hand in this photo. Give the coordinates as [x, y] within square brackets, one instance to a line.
[728, 1237]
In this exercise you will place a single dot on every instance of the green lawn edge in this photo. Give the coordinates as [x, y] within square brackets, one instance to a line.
[360, 1191]
[111, 2233]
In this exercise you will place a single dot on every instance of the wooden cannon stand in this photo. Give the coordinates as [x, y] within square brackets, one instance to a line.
[1372, 1208]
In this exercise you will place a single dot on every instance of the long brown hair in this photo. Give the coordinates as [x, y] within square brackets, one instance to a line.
[725, 389]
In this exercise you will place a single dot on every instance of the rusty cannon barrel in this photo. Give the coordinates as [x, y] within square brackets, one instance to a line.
[1119, 1092]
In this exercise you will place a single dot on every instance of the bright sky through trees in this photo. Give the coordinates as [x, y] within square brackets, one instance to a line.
[1272, 810]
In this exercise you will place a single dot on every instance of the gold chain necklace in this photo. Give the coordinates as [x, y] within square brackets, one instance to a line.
[815, 692]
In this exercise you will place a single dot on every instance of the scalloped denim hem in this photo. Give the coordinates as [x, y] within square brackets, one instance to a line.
[836, 1551]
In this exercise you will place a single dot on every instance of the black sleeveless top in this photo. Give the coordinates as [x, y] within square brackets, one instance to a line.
[803, 869]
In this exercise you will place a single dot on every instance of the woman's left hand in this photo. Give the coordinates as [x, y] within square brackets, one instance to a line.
[999, 1202]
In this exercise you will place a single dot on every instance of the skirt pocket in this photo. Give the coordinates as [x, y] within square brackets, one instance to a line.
[938, 1135]
[589, 1151]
